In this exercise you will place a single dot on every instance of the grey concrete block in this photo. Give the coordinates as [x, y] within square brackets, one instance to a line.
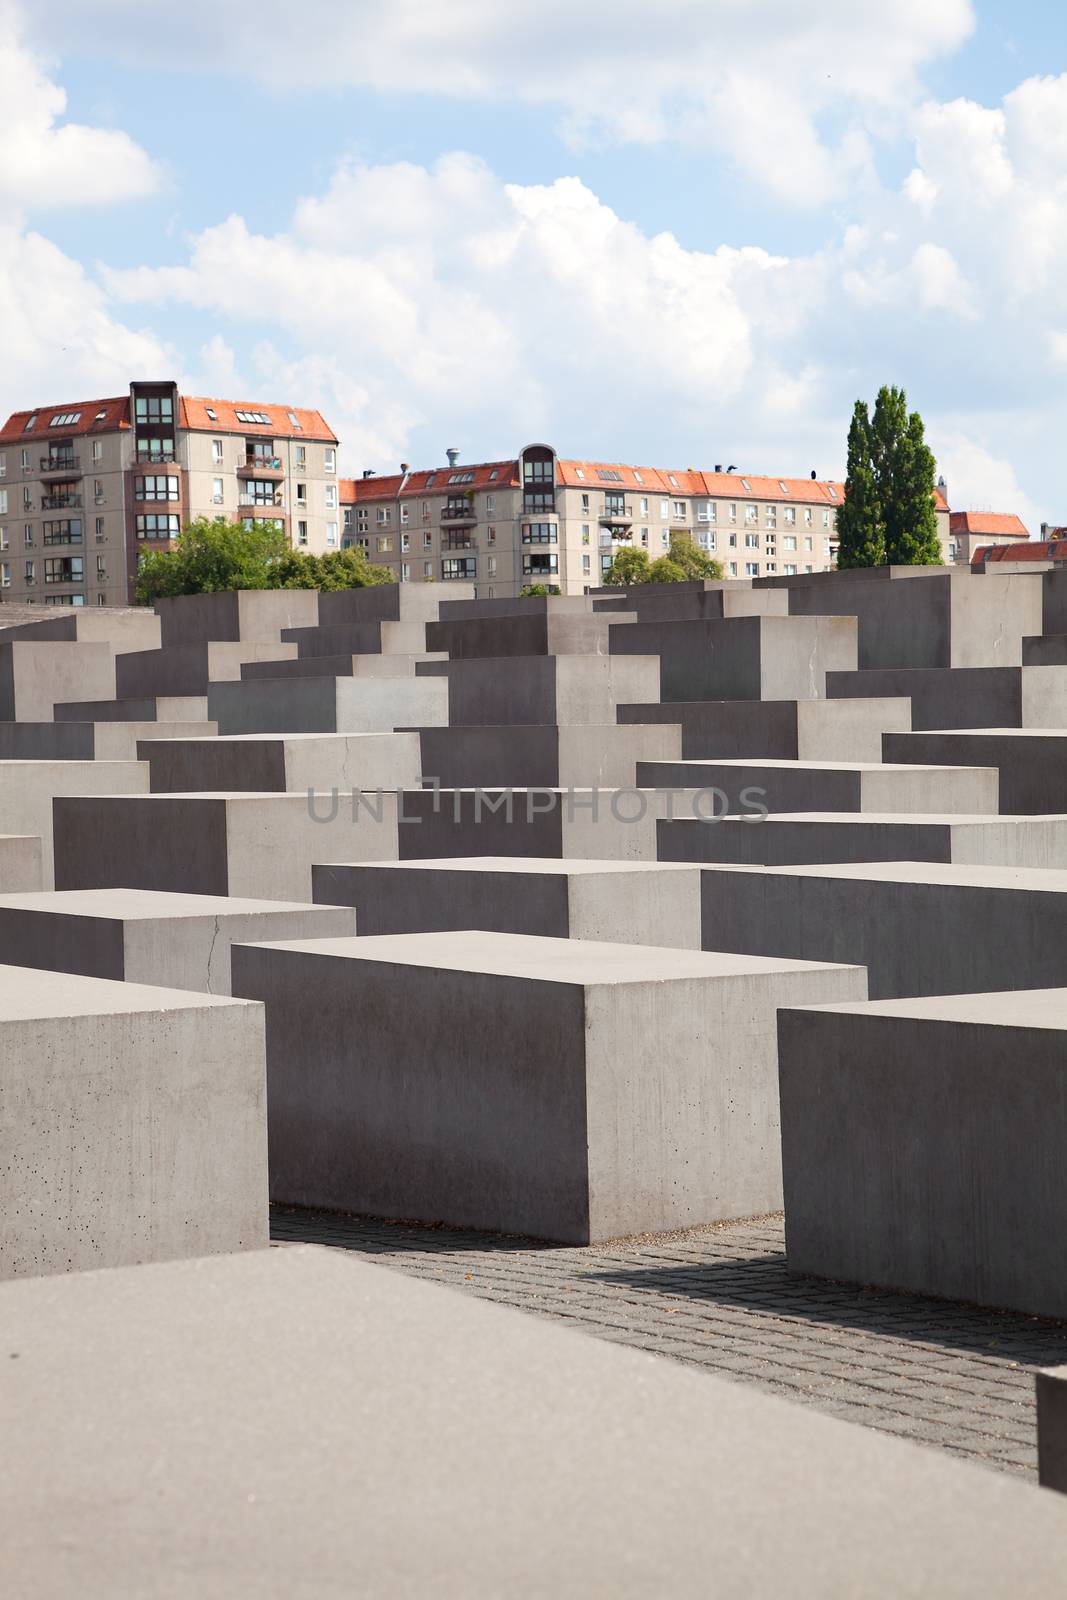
[1045, 650]
[358, 638]
[392, 602]
[178, 941]
[346, 666]
[495, 1419]
[742, 658]
[147, 708]
[188, 669]
[832, 786]
[261, 846]
[125, 629]
[28, 790]
[780, 730]
[135, 1121]
[579, 756]
[619, 902]
[919, 928]
[967, 697]
[89, 741]
[922, 1145]
[34, 676]
[676, 602]
[560, 690]
[253, 615]
[1032, 762]
[802, 839]
[328, 705]
[939, 619]
[292, 762]
[555, 1087]
[21, 863]
[1051, 1394]
[529, 605]
[544, 633]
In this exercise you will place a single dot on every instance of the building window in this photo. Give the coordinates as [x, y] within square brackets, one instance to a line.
[585, 505]
[405, 509]
[789, 542]
[31, 572]
[329, 460]
[539, 533]
[99, 528]
[301, 494]
[708, 512]
[585, 533]
[3, 539]
[679, 510]
[491, 566]
[789, 515]
[163, 487]
[68, 531]
[425, 511]
[27, 533]
[385, 543]
[405, 572]
[27, 498]
[24, 458]
[301, 457]
[664, 510]
[751, 569]
[807, 517]
[155, 449]
[3, 464]
[3, 502]
[826, 519]
[490, 536]
[751, 514]
[585, 566]
[537, 565]
[752, 541]
[331, 535]
[427, 541]
[788, 570]
[383, 516]
[64, 569]
[490, 505]
[218, 491]
[98, 449]
[405, 542]
[772, 516]
[101, 567]
[216, 452]
[158, 525]
[331, 497]
[5, 574]
[154, 408]
[427, 569]
[301, 533]
[98, 491]
[258, 492]
[459, 567]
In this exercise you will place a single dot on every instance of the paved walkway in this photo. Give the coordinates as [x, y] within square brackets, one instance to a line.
[943, 1374]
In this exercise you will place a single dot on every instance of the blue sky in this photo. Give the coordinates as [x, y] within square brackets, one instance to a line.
[697, 233]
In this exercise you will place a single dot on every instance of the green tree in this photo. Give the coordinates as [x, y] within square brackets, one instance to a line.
[860, 530]
[889, 513]
[532, 590]
[213, 554]
[666, 570]
[629, 566]
[687, 554]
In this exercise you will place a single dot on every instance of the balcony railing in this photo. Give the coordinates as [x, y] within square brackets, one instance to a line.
[266, 505]
[62, 463]
[464, 513]
[261, 467]
[457, 541]
[532, 507]
[148, 458]
[617, 513]
[59, 502]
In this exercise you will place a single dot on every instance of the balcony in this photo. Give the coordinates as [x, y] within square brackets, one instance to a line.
[60, 502]
[261, 467]
[273, 504]
[617, 513]
[457, 514]
[149, 458]
[539, 506]
[60, 463]
[456, 541]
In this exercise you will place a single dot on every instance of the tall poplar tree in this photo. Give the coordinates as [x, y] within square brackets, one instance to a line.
[860, 532]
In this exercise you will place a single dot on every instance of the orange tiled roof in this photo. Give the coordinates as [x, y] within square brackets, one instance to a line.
[193, 413]
[1029, 550]
[431, 480]
[94, 416]
[993, 524]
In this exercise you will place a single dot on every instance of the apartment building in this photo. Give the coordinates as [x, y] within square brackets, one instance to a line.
[543, 519]
[968, 530]
[88, 486]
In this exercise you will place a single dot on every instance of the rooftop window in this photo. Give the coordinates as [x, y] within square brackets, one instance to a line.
[579, 472]
[253, 416]
[672, 480]
[212, 413]
[64, 419]
[638, 476]
[431, 480]
[831, 491]
[294, 419]
[782, 486]
[100, 415]
[31, 424]
[609, 475]
[461, 477]
[746, 485]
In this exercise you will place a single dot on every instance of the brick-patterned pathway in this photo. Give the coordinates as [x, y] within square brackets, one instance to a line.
[947, 1375]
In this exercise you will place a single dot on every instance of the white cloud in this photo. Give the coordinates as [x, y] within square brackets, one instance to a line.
[755, 80]
[46, 162]
[980, 479]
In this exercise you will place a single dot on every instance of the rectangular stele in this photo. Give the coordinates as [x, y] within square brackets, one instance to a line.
[132, 1124]
[567, 1089]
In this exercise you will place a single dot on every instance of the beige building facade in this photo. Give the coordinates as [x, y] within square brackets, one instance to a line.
[86, 488]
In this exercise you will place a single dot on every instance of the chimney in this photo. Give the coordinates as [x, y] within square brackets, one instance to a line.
[453, 455]
[404, 467]
[814, 474]
[718, 466]
[368, 472]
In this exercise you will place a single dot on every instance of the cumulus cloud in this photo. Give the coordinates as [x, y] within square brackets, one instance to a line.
[767, 82]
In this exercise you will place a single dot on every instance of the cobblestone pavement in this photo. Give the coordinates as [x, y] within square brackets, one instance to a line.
[943, 1374]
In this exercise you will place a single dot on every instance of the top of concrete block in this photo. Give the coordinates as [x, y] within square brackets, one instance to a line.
[27, 994]
[908, 819]
[568, 961]
[651, 1477]
[130, 905]
[1029, 880]
[1015, 1008]
[538, 866]
[780, 764]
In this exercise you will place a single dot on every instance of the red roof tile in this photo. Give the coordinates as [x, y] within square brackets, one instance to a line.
[94, 416]
[1030, 550]
[431, 480]
[990, 523]
[193, 413]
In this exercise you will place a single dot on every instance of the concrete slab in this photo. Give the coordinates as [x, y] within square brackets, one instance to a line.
[179, 941]
[967, 697]
[28, 790]
[579, 756]
[544, 633]
[922, 1145]
[294, 762]
[358, 638]
[147, 708]
[328, 705]
[188, 669]
[1032, 761]
[260, 846]
[833, 786]
[782, 730]
[392, 602]
[495, 1419]
[549, 690]
[135, 1124]
[622, 902]
[34, 676]
[90, 741]
[1051, 1387]
[807, 838]
[21, 863]
[126, 628]
[559, 1088]
[346, 666]
[252, 615]
[742, 658]
[919, 928]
